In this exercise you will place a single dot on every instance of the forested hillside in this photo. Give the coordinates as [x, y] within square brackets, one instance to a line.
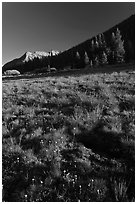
[127, 30]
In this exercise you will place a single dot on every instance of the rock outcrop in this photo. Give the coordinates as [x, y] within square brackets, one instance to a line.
[11, 72]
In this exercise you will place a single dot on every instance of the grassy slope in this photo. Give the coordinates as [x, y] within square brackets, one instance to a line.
[69, 138]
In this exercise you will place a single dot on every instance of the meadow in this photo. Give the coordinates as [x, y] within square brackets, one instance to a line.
[69, 138]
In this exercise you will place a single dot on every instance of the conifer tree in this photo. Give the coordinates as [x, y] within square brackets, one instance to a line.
[77, 55]
[86, 58]
[117, 48]
[100, 41]
[104, 45]
[113, 41]
[111, 53]
[96, 61]
[92, 45]
[102, 48]
[111, 50]
[96, 42]
[96, 47]
[104, 59]
[91, 63]
[77, 60]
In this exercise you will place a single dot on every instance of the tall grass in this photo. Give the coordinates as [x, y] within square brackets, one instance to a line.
[69, 139]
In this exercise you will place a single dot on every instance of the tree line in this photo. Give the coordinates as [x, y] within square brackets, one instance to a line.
[96, 53]
[115, 45]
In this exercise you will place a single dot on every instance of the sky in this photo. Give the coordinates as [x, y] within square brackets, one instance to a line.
[42, 26]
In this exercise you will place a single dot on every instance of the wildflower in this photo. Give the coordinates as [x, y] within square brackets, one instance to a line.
[80, 189]
[26, 197]
[76, 177]
[41, 142]
[18, 159]
[33, 181]
[89, 185]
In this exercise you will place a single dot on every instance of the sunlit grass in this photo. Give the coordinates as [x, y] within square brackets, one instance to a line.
[69, 138]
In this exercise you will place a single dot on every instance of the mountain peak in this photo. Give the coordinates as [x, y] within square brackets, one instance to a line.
[29, 56]
[38, 54]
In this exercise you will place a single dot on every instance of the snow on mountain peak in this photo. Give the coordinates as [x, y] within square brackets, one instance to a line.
[39, 54]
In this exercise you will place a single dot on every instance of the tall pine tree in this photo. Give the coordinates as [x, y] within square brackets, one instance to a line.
[96, 42]
[102, 49]
[120, 51]
[86, 59]
[117, 47]
[77, 55]
[77, 60]
[100, 41]
[92, 45]
[103, 60]
[104, 44]
[111, 50]
[96, 61]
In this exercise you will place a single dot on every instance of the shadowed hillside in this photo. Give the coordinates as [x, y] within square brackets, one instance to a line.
[127, 28]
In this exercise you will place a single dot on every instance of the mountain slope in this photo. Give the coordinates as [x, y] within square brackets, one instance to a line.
[28, 57]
